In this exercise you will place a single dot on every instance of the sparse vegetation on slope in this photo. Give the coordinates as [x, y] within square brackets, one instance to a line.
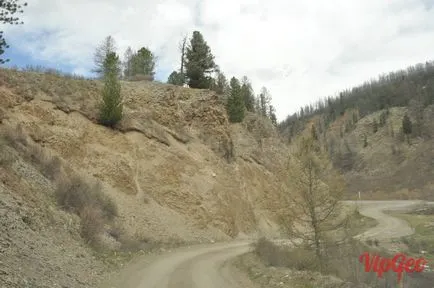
[175, 168]
[71, 191]
[378, 135]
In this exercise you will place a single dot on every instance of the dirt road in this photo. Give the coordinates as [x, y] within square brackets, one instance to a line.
[196, 267]
[209, 265]
[388, 227]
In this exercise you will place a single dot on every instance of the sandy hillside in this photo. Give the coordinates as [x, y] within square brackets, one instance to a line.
[175, 166]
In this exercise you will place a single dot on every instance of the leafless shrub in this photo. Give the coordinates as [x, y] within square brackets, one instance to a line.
[75, 194]
[92, 223]
[116, 232]
[89, 202]
[273, 255]
[48, 165]
[131, 243]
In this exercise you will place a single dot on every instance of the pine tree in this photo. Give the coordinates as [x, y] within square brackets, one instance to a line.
[416, 109]
[375, 126]
[199, 62]
[313, 133]
[235, 104]
[355, 117]
[407, 127]
[143, 62]
[8, 8]
[264, 101]
[212, 84]
[272, 114]
[383, 118]
[258, 105]
[111, 106]
[247, 94]
[175, 78]
[222, 83]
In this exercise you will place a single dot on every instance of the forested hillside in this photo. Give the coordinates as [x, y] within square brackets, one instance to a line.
[379, 134]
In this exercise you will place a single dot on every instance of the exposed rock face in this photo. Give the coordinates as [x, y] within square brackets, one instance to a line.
[175, 166]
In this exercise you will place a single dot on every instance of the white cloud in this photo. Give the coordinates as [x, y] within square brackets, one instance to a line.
[299, 50]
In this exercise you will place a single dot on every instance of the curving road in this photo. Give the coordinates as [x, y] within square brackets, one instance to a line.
[195, 267]
[388, 226]
[209, 265]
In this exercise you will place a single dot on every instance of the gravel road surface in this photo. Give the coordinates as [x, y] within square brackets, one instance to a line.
[208, 266]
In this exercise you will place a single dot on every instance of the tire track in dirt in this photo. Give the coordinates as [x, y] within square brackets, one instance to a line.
[195, 267]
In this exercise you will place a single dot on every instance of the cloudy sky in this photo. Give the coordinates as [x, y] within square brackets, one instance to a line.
[300, 50]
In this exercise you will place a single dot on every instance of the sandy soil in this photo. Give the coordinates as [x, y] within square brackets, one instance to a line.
[197, 266]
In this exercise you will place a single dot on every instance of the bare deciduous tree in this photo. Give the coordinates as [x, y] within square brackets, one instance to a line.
[105, 48]
[182, 50]
[127, 64]
[317, 189]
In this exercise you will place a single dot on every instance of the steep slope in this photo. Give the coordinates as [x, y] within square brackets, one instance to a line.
[378, 162]
[388, 167]
[40, 245]
[363, 131]
[175, 167]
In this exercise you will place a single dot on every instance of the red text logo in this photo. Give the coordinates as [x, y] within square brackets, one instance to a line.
[399, 263]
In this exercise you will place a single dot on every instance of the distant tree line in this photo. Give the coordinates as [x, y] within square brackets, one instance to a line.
[412, 88]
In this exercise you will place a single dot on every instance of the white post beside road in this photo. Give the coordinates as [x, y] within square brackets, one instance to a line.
[358, 201]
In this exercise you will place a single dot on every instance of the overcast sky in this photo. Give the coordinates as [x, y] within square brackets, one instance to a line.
[299, 50]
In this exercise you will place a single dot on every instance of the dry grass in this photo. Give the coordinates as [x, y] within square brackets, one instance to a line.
[50, 71]
[273, 255]
[341, 257]
[342, 261]
[15, 137]
[87, 200]
[423, 239]
[73, 193]
[47, 164]
[91, 224]
[140, 77]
